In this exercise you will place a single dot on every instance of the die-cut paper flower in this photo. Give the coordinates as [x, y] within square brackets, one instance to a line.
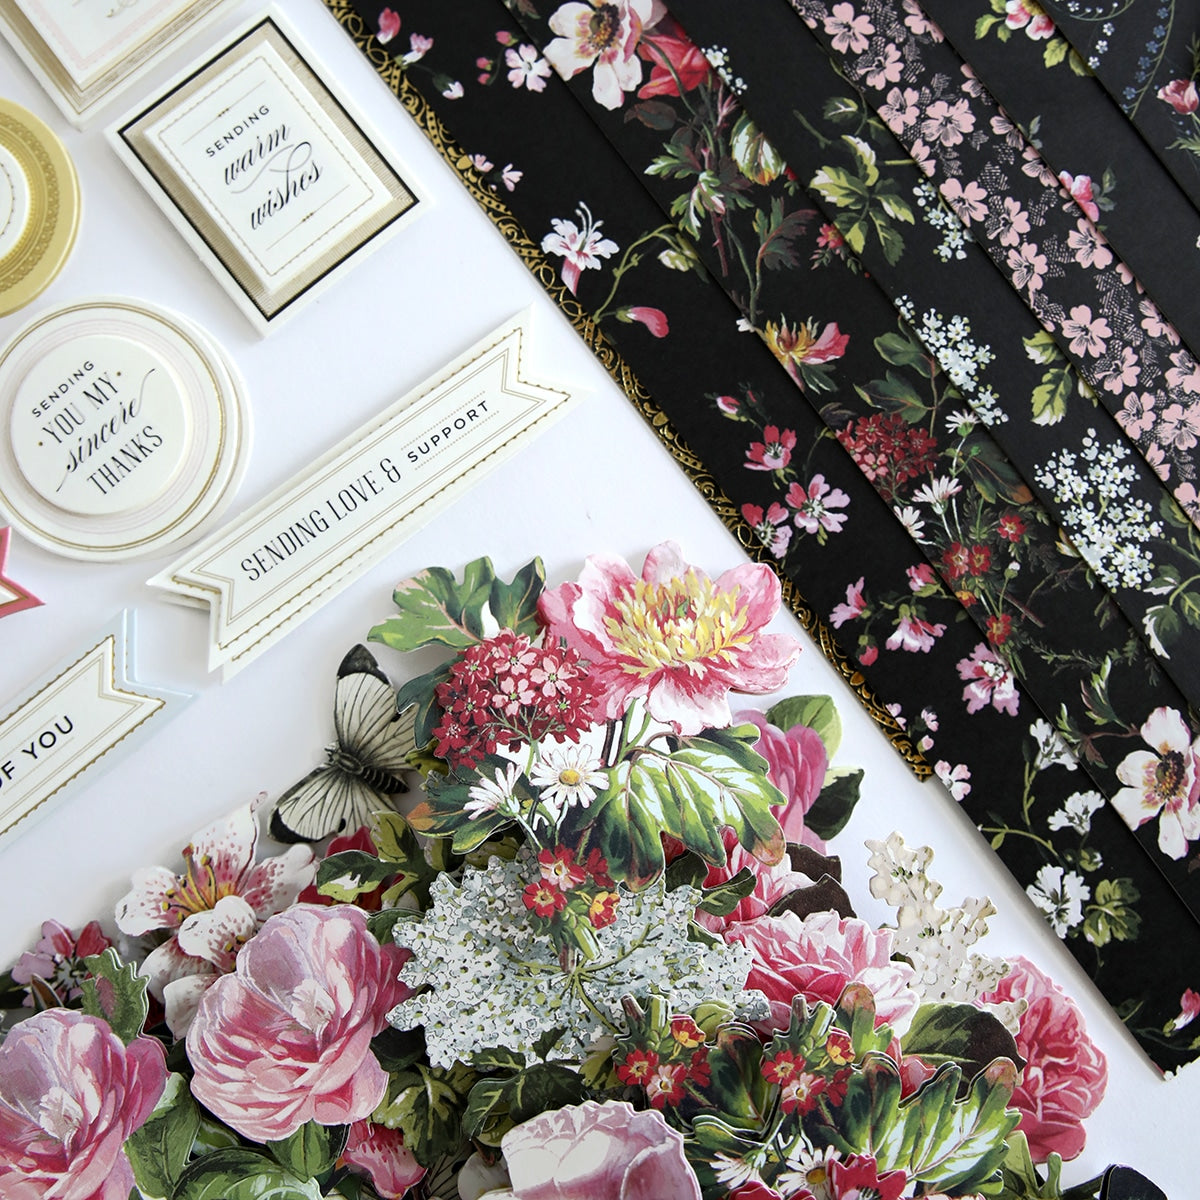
[672, 636]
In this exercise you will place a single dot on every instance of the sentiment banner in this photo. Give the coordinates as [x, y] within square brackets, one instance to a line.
[80, 712]
[276, 564]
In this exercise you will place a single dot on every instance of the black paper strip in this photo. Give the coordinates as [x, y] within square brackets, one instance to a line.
[1037, 232]
[1040, 625]
[1145, 54]
[1080, 130]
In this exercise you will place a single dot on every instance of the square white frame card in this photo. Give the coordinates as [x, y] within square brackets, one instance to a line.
[271, 176]
[85, 55]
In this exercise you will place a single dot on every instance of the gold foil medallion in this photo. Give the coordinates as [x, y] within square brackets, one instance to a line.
[39, 206]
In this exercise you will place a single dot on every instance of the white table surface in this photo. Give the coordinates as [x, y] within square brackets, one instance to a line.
[598, 480]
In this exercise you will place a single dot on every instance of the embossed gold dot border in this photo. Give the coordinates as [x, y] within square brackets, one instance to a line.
[544, 271]
[44, 246]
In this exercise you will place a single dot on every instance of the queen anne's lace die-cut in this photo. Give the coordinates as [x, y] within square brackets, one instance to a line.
[493, 979]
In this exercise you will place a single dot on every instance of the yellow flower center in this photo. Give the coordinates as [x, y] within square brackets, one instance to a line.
[790, 343]
[569, 777]
[682, 623]
[200, 889]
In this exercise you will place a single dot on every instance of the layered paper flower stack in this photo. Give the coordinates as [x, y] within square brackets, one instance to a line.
[603, 955]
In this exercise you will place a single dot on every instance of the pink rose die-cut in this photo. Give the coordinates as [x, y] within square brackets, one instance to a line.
[70, 1094]
[817, 957]
[1065, 1073]
[598, 1152]
[287, 1037]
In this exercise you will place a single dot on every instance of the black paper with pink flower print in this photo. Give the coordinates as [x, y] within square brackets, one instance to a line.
[994, 351]
[1147, 56]
[821, 521]
[1050, 94]
[1092, 305]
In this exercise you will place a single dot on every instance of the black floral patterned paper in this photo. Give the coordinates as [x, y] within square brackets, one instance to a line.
[1022, 213]
[755, 419]
[1146, 56]
[1050, 93]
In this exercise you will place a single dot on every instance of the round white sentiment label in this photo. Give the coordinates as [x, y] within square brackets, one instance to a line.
[100, 425]
[14, 202]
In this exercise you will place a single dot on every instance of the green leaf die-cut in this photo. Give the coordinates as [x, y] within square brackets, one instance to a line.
[819, 713]
[711, 781]
[836, 802]
[856, 1015]
[426, 1104]
[486, 1118]
[311, 1150]
[242, 1174]
[542, 1087]
[420, 694]
[158, 1152]
[952, 1145]
[498, 1058]
[712, 1142]
[496, 1105]
[514, 605]
[398, 846]
[958, 1144]
[721, 900]
[346, 875]
[116, 993]
[443, 813]
[1020, 1178]
[737, 1085]
[961, 1034]
[435, 608]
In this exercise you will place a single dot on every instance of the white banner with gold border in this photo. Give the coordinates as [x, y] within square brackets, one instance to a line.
[273, 566]
[83, 714]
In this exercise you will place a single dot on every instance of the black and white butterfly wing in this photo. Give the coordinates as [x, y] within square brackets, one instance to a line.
[365, 763]
[367, 726]
[325, 801]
